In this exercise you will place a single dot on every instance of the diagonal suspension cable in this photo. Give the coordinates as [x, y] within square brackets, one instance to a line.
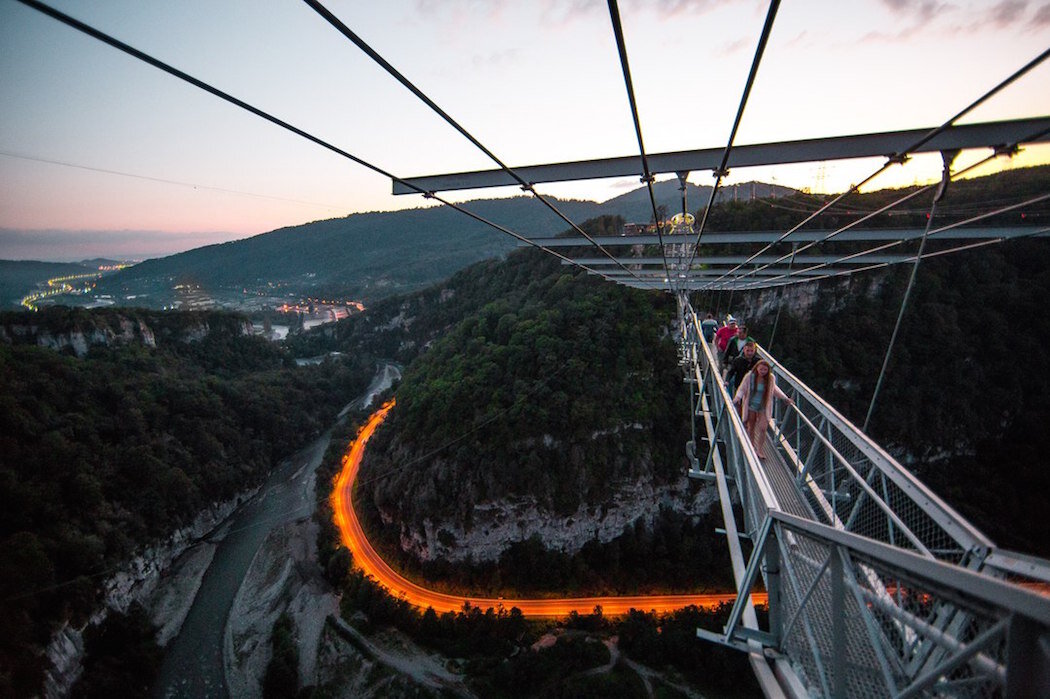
[341, 27]
[798, 278]
[1009, 150]
[894, 243]
[723, 170]
[946, 177]
[146, 58]
[647, 175]
[898, 158]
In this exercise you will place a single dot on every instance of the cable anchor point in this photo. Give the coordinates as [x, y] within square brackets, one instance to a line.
[647, 179]
[720, 173]
[1009, 150]
[948, 157]
[897, 159]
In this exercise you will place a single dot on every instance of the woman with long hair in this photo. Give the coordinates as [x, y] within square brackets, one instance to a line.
[755, 398]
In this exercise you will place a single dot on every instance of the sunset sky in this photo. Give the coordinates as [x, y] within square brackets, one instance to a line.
[103, 154]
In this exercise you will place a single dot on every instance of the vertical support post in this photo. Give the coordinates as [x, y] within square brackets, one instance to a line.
[692, 412]
[1027, 659]
[838, 626]
[776, 608]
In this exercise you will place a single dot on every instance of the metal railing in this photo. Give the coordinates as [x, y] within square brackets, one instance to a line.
[876, 586]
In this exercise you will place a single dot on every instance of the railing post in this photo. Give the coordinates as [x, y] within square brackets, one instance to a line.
[773, 589]
[838, 625]
[1027, 659]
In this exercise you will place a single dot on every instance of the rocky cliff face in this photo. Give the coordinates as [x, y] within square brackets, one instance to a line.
[135, 582]
[831, 295]
[498, 524]
[80, 334]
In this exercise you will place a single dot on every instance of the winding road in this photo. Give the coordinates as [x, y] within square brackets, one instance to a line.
[366, 558]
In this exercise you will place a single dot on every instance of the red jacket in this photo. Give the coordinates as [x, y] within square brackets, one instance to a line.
[723, 335]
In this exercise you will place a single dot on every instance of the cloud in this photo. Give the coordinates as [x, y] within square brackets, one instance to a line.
[1042, 16]
[732, 47]
[495, 59]
[73, 245]
[1007, 12]
[921, 10]
[887, 38]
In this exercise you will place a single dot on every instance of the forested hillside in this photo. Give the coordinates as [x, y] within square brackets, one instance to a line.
[380, 254]
[102, 454]
[367, 255]
[554, 390]
[567, 381]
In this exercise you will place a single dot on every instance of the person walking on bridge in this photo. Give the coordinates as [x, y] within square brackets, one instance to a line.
[741, 364]
[755, 398]
[724, 334]
[736, 345]
[709, 327]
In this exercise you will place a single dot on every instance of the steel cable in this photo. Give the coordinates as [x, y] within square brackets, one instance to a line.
[341, 27]
[647, 176]
[130, 50]
[722, 170]
[885, 246]
[1008, 150]
[899, 157]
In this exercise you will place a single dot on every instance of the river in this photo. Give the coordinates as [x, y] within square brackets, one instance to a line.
[193, 661]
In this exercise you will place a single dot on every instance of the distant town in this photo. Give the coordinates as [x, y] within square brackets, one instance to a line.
[275, 309]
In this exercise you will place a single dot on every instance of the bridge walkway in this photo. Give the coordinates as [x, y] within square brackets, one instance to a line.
[876, 586]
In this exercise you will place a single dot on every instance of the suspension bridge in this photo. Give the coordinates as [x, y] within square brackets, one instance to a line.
[876, 587]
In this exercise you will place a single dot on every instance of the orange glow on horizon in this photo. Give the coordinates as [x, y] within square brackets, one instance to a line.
[366, 558]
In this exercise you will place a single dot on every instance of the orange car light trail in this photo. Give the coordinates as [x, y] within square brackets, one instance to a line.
[366, 558]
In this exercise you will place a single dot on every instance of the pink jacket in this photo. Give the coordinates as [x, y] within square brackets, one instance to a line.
[743, 396]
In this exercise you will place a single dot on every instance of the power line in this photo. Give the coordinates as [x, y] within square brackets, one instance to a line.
[150, 178]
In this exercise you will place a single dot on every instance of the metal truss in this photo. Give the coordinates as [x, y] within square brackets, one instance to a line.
[876, 586]
[883, 144]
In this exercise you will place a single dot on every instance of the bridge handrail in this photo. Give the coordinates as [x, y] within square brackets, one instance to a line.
[871, 593]
[990, 591]
[963, 532]
[736, 423]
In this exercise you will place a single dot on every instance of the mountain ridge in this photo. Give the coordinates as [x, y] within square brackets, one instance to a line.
[376, 254]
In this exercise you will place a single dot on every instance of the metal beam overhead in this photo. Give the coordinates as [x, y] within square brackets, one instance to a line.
[738, 259]
[714, 273]
[988, 134]
[851, 235]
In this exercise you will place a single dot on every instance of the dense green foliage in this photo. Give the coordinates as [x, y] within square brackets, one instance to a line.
[559, 390]
[102, 454]
[282, 672]
[502, 663]
[122, 657]
[670, 639]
